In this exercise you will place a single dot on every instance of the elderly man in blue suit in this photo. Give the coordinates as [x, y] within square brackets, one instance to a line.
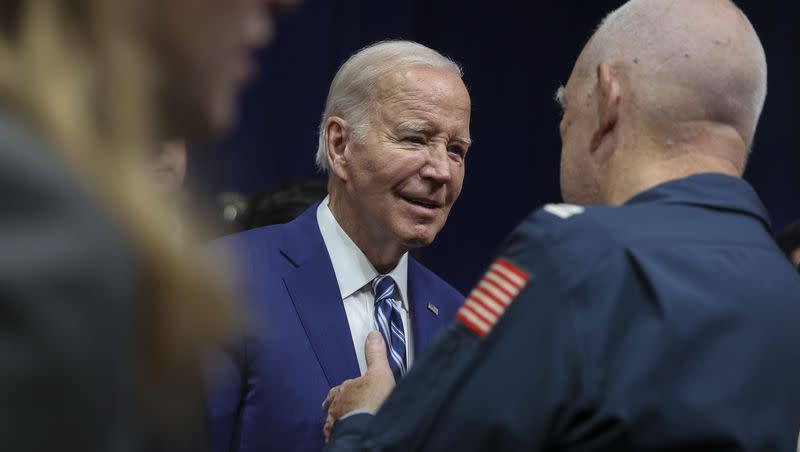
[393, 140]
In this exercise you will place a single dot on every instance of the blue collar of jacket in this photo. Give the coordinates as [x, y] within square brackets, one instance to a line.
[708, 190]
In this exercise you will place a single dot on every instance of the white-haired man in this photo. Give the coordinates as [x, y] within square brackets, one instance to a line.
[661, 315]
[393, 139]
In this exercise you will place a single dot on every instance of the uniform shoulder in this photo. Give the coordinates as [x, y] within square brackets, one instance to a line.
[566, 228]
[550, 253]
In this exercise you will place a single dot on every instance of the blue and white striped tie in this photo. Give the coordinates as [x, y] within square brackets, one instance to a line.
[390, 324]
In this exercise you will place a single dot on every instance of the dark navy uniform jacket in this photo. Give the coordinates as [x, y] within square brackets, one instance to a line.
[669, 323]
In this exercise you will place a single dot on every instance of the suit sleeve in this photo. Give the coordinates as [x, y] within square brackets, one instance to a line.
[226, 368]
[227, 376]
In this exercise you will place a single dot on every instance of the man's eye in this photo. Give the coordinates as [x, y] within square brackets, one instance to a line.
[458, 150]
[415, 140]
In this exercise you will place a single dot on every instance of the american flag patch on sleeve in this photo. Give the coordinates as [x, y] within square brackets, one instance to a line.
[492, 296]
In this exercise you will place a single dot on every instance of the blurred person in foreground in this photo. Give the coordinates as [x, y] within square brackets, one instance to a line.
[102, 320]
[393, 140]
[170, 168]
[659, 316]
[170, 173]
[789, 241]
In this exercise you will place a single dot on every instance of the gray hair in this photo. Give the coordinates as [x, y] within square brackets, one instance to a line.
[352, 90]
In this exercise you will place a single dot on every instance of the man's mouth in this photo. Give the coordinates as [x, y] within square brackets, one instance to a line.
[423, 202]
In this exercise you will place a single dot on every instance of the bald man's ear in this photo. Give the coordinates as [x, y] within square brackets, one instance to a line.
[610, 94]
[337, 137]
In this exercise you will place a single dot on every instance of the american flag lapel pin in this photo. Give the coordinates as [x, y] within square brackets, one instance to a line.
[432, 307]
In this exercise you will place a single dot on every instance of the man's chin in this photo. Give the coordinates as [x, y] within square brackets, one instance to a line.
[416, 243]
[419, 239]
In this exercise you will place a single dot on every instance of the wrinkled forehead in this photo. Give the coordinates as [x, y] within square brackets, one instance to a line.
[416, 95]
[420, 83]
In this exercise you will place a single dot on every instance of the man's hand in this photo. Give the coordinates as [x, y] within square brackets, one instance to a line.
[365, 393]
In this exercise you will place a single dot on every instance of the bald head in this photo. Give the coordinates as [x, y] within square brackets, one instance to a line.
[664, 89]
[690, 61]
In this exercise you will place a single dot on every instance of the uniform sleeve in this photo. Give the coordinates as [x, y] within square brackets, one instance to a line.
[412, 407]
[528, 379]
[349, 432]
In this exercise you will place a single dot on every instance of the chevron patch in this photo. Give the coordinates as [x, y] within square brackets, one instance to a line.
[564, 211]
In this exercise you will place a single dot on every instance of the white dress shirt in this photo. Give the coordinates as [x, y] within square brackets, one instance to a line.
[354, 274]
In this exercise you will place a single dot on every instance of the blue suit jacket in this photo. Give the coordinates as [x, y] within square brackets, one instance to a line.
[300, 344]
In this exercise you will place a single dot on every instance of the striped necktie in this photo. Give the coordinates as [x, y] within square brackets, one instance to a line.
[390, 324]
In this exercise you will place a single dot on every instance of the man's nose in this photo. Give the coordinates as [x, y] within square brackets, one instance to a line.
[437, 167]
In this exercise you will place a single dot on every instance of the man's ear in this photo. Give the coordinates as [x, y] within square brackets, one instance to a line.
[610, 94]
[337, 138]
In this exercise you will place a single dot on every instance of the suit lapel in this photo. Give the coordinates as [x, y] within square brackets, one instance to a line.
[420, 293]
[314, 291]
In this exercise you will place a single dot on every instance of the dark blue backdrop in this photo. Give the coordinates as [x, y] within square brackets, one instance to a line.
[515, 54]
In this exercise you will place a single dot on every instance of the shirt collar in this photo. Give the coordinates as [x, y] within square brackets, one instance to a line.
[352, 268]
[710, 190]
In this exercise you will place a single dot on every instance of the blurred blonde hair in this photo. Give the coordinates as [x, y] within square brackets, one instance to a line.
[81, 73]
